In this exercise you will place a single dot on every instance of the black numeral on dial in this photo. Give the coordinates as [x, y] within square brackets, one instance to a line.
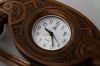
[65, 33]
[57, 23]
[51, 22]
[39, 27]
[58, 45]
[64, 41]
[40, 39]
[44, 45]
[44, 24]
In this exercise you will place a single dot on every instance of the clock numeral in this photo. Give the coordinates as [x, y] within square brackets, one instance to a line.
[44, 45]
[39, 27]
[40, 39]
[64, 41]
[47, 40]
[51, 22]
[57, 23]
[63, 27]
[58, 45]
[65, 33]
[44, 24]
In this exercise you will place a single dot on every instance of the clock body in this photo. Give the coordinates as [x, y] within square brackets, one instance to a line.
[50, 33]
[59, 28]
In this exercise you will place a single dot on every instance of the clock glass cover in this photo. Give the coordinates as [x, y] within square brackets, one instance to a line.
[51, 32]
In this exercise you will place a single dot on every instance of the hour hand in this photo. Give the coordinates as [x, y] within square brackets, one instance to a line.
[47, 30]
[51, 33]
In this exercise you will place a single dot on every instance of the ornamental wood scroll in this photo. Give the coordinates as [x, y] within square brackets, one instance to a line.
[84, 50]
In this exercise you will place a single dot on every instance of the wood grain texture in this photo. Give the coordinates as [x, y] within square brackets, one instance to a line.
[83, 48]
[11, 59]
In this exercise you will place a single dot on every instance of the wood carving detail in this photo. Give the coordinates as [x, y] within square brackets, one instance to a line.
[16, 11]
[18, 31]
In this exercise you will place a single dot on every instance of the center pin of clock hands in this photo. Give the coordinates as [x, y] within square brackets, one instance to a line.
[52, 36]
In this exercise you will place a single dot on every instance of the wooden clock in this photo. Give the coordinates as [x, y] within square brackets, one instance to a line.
[47, 32]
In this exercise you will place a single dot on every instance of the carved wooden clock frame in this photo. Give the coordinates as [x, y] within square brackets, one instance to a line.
[22, 14]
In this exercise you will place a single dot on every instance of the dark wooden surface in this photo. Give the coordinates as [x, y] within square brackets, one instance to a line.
[82, 50]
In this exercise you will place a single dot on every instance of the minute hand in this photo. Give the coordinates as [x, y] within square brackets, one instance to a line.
[56, 39]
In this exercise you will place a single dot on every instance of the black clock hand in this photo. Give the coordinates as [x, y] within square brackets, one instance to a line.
[52, 41]
[51, 34]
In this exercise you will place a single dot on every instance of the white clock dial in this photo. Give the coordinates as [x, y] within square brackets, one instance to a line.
[51, 32]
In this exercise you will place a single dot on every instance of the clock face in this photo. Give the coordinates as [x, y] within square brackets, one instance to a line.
[51, 32]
